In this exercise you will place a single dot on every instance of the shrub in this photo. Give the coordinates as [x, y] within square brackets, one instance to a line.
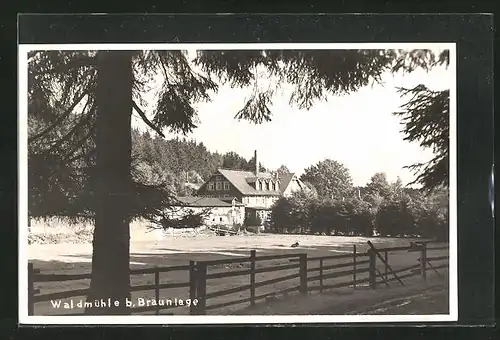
[252, 220]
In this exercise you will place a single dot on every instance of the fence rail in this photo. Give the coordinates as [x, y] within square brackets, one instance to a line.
[34, 296]
[360, 263]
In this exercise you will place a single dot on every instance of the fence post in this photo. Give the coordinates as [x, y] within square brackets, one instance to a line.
[201, 289]
[373, 272]
[157, 289]
[423, 262]
[354, 266]
[386, 260]
[31, 290]
[303, 273]
[192, 286]
[321, 274]
[252, 277]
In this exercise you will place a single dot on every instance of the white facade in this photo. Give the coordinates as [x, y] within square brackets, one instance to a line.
[221, 215]
[260, 201]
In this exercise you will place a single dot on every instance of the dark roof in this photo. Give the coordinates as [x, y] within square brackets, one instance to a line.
[262, 175]
[191, 201]
[239, 180]
[284, 181]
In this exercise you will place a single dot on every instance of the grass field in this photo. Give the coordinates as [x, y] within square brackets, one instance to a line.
[76, 258]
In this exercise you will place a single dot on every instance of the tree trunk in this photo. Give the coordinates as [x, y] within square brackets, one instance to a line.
[110, 280]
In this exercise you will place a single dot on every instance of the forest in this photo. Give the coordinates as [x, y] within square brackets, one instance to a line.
[180, 163]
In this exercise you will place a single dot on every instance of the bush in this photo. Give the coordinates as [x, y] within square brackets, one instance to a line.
[404, 214]
[395, 219]
[281, 215]
[81, 235]
[252, 221]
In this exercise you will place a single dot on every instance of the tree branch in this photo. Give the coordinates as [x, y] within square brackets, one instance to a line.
[80, 61]
[80, 144]
[60, 119]
[78, 125]
[146, 120]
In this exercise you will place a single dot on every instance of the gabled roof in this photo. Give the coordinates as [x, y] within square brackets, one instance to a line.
[239, 180]
[285, 181]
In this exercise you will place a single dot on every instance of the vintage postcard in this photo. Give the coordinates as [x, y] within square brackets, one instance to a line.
[237, 183]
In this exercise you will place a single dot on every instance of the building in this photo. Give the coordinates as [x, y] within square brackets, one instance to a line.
[221, 212]
[256, 190]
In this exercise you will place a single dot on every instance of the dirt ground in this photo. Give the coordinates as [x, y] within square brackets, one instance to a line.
[153, 249]
[414, 298]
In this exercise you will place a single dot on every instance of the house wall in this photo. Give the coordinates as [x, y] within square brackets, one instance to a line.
[260, 201]
[222, 215]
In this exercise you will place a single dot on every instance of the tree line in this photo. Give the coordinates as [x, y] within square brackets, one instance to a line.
[336, 207]
[181, 164]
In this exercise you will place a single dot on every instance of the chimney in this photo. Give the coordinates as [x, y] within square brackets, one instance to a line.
[256, 164]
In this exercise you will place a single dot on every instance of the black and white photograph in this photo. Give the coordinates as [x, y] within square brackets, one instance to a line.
[195, 183]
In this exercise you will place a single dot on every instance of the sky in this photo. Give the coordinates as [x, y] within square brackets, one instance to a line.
[357, 130]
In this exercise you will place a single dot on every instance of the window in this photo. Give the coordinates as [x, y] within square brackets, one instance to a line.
[273, 186]
[218, 178]
[210, 186]
[260, 185]
[226, 185]
[267, 185]
[218, 186]
[226, 195]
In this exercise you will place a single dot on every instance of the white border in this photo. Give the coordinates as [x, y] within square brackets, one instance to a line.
[24, 318]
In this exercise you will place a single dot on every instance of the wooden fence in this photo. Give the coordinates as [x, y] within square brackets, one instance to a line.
[375, 263]
[423, 265]
[34, 296]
